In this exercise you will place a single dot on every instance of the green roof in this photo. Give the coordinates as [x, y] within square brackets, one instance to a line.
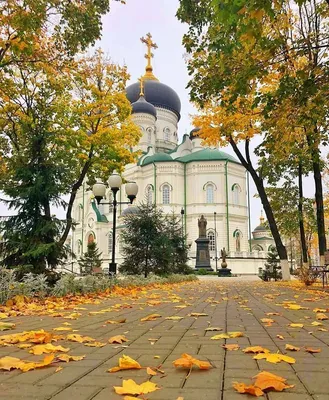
[158, 157]
[207, 155]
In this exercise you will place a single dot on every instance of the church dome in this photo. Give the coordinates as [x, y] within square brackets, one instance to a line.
[207, 155]
[158, 157]
[156, 93]
[141, 106]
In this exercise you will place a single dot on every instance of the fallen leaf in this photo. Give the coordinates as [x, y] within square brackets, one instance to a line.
[151, 317]
[255, 349]
[8, 363]
[267, 381]
[119, 321]
[315, 323]
[296, 325]
[126, 362]
[80, 339]
[231, 346]
[131, 387]
[220, 336]
[321, 317]
[275, 358]
[175, 318]
[95, 344]
[196, 314]
[47, 348]
[291, 347]
[311, 350]
[68, 357]
[25, 345]
[272, 313]
[236, 334]
[157, 357]
[250, 389]
[118, 339]
[150, 371]
[267, 320]
[187, 361]
[213, 329]
[62, 328]
[58, 369]
[6, 326]
[280, 337]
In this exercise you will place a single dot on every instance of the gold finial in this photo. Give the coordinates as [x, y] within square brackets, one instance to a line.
[149, 55]
[261, 219]
[141, 81]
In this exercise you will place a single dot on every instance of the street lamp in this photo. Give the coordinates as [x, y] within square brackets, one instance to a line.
[216, 258]
[182, 212]
[99, 189]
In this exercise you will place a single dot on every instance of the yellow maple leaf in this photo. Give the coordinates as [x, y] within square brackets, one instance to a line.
[296, 325]
[131, 387]
[235, 334]
[231, 347]
[249, 389]
[118, 339]
[311, 350]
[126, 362]
[150, 371]
[291, 347]
[321, 317]
[255, 349]
[267, 381]
[68, 357]
[220, 336]
[6, 326]
[47, 348]
[80, 339]
[95, 344]
[187, 361]
[275, 358]
[213, 329]
[62, 328]
[151, 317]
[196, 314]
[175, 318]
[119, 321]
[316, 323]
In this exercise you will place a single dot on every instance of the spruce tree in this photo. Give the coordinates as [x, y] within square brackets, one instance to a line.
[91, 259]
[272, 265]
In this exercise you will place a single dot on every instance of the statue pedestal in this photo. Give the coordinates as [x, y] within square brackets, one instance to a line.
[202, 254]
[224, 272]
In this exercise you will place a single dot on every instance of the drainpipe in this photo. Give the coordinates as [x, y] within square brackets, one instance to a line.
[227, 214]
[249, 220]
[185, 214]
[155, 184]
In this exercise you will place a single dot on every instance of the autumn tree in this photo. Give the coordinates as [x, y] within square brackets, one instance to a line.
[58, 126]
[269, 53]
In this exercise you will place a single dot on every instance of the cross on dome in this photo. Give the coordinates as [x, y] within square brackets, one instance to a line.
[149, 55]
[141, 82]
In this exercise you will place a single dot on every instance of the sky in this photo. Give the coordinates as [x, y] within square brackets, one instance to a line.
[122, 29]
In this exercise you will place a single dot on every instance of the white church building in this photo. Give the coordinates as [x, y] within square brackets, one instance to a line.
[177, 175]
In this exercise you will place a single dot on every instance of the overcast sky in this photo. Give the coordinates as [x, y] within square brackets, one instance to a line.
[122, 29]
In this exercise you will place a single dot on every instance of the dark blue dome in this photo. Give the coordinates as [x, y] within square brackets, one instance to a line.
[156, 93]
[143, 106]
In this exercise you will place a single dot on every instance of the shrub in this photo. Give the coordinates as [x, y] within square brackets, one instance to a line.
[307, 275]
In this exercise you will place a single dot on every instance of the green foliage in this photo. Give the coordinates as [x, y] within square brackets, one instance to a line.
[272, 266]
[91, 260]
[153, 242]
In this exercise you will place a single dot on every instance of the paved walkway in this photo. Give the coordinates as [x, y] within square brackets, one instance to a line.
[231, 305]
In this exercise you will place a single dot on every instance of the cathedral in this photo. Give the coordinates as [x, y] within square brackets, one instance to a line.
[180, 176]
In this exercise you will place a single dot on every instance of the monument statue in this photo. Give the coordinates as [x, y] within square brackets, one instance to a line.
[223, 256]
[202, 243]
[202, 224]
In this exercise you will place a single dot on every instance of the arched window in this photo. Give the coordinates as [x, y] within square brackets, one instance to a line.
[257, 248]
[236, 194]
[210, 193]
[110, 242]
[165, 194]
[149, 135]
[149, 194]
[212, 240]
[166, 134]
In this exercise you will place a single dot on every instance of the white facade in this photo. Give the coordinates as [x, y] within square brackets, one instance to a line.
[200, 180]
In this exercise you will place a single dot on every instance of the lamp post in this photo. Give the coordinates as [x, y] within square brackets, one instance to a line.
[99, 189]
[216, 259]
[182, 212]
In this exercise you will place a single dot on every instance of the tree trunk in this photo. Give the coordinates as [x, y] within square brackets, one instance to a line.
[301, 215]
[246, 162]
[313, 147]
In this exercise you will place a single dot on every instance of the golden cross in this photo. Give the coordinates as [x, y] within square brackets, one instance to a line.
[149, 55]
[141, 81]
[150, 44]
